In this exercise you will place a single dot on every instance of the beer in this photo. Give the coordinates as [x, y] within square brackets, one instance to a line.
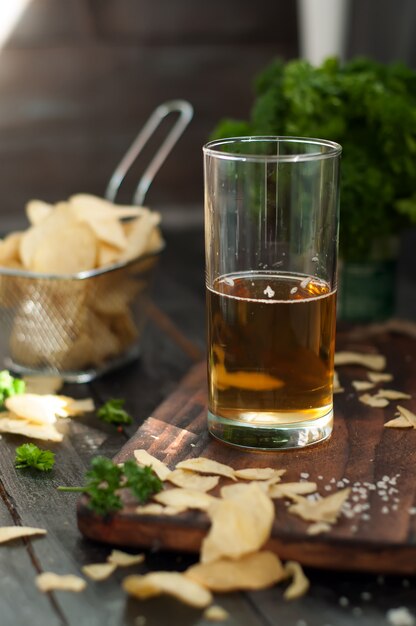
[271, 347]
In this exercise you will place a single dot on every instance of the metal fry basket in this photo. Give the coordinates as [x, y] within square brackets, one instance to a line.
[81, 326]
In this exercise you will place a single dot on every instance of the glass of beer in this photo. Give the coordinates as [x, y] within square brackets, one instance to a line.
[271, 236]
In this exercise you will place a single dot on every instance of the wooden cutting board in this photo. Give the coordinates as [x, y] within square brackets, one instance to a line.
[378, 463]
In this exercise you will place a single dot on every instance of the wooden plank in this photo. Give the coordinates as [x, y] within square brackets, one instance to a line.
[19, 597]
[360, 450]
[68, 114]
[215, 22]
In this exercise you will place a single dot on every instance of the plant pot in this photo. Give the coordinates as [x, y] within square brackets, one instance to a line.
[366, 290]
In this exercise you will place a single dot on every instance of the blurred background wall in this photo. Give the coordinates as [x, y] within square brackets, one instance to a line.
[78, 78]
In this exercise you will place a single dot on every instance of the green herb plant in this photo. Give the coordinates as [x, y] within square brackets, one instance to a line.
[29, 455]
[105, 480]
[112, 412]
[367, 107]
[9, 386]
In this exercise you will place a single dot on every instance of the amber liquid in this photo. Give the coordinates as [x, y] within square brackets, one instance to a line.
[271, 348]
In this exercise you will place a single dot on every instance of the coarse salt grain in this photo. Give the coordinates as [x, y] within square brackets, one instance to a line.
[343, 601]
[400, 617]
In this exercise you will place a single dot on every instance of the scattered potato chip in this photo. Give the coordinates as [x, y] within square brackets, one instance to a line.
[191, 480]
[17, 426]
[317, 528]
[203, 465]
[99, 571]
[215, 613]
[398, 422]
[172, 583]
[371, 361]
[299, 585]
[392, 394]
[411, 417]
[258, 473]
[8, 533]
[240, 524]
[49, 581]
[35, 408]
[43, 384]
[124, 559]
[253, 571]
[362, 385]
[144, 458]
[76, 407]
[374, 401]
[154, 508]
[292, 490]
[323, 510]
[189, 498]
[379, 377]
[337, 388]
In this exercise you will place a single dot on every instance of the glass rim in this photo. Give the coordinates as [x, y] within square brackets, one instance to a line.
[213, 148]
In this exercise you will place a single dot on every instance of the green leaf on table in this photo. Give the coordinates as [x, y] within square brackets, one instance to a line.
[9, 386]
[29, 455]
[105, 480]
[112, 412]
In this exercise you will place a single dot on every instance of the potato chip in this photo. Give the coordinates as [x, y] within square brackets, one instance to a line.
[292, 490]
[258, 473]
[171, 583]
[37, 211]
[17, 426]
[124, 559]
[144, 458]
[99, 571]
[317, 528]
[336, 384]
[323, 510]
[411, 417]
[377, 377]
[189, 498]
[43, 384]
[139, 234]
[107, 254]
[398, 422]
[76, 407]
[253, 571]
[155, 242]
[299, 585]
[215, 613]
[191, 480]
[392, 394]
[371, 361]
[203, 465]
[240, 524]
[96, 207]
[9, 249]
[9, 533]
[154, 508]
[49, 581]
[362, 385]
[39, 236]
[49, 257]
[374, 401]
[36, 408]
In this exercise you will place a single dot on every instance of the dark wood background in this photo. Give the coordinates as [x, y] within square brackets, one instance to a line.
[78, 79]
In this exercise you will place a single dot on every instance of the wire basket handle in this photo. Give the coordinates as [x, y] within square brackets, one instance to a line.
[186, 112]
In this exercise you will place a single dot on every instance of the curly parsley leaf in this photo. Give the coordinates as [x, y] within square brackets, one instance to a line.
[29, 455]
[105, 480]
[9, 386]
[112, 412]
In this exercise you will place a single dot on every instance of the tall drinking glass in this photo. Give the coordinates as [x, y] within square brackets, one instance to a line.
[271, 235]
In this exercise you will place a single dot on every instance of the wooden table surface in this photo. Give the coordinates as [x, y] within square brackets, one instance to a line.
[173, 342]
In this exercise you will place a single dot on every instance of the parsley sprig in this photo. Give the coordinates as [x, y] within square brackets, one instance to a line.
[105, 480]
[29, 455]
[9, 386]
[112, 412]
